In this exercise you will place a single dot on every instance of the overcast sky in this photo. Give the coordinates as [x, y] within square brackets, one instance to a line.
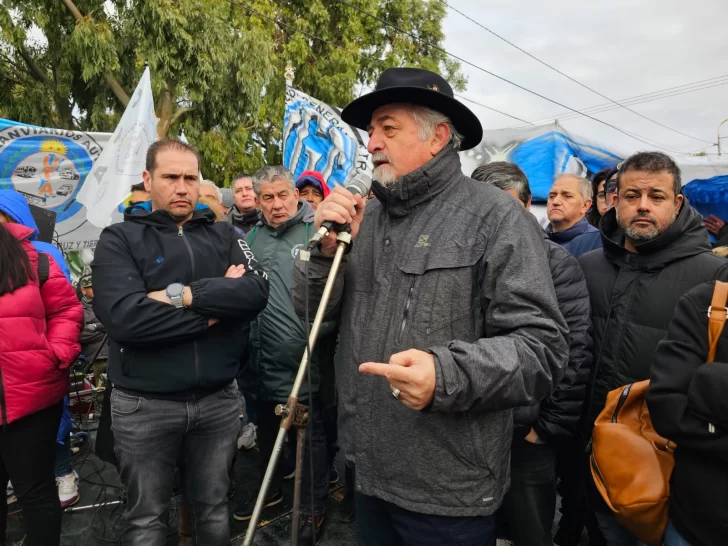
[622, 48]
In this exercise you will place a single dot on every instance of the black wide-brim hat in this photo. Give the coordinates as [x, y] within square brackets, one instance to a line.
[420, 87]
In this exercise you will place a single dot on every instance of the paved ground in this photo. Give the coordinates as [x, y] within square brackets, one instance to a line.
[99, 525]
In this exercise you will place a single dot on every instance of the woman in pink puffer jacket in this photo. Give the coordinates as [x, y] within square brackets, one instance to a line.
[40, 328]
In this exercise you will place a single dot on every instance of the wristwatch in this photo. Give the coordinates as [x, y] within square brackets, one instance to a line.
[174, 293]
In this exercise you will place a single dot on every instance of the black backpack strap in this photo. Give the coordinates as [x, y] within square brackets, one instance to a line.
[43, 269]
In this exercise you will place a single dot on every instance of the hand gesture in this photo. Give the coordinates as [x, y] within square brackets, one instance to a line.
[713, 224]
[411, 376]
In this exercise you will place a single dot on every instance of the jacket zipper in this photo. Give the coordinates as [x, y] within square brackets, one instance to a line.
[192, 260]
[622, 399]
[2, 401]
[406, 307]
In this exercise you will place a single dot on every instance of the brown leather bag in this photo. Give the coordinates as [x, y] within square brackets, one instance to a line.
[631, 464]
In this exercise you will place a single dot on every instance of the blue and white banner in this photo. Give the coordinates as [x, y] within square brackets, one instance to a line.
[49, 167]
[316, 139]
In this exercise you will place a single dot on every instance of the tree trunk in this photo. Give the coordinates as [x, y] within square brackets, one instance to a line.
[65, 113]
[165, 110]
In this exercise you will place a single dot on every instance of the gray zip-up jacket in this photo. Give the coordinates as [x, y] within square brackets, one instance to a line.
[448, 265]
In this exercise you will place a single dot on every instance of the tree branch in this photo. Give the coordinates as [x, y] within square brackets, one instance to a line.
[116, 88]
[180, 112]
[35, 71]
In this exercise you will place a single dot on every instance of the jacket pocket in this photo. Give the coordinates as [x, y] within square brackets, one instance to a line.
[444, 290]
[229, 391]
[437, 453]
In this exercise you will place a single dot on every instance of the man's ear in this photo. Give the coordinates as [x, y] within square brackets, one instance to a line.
[587, 205]
[439, 139]
[147, 179]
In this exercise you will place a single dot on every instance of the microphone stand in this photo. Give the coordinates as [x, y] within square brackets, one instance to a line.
[293, 413]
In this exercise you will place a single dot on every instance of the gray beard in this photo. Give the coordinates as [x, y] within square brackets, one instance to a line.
[385, 176]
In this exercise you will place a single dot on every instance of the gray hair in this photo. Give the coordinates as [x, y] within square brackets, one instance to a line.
[271, 173]
[505, 176]
[213, 185]
[585, 185]
[427, 119]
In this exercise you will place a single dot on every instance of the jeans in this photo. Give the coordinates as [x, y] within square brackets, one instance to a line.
[614, 533]
[673, 538]
[64, 458]
[27, 452]
[150, 435]
[381, 523]
[268, 425]
[530, 504]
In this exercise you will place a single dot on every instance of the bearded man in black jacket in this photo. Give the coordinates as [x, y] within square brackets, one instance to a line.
[655, 249]
[175, 291]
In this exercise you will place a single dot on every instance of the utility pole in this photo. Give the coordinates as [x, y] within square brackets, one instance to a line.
[719, 126]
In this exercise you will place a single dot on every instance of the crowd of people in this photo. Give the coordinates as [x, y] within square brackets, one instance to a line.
[463, 359]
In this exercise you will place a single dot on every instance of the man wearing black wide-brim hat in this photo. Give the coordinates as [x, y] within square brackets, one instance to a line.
[448, 320]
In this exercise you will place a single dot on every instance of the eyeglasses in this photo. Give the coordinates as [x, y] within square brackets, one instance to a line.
[602, 196]
[611, 186]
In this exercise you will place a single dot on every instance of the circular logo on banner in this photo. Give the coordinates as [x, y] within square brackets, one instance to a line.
[48, 169]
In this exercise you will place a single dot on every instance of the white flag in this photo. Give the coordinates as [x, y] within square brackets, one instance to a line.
[122, 162]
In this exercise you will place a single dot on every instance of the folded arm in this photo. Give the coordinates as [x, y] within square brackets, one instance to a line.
[121, 303]
[233, 298]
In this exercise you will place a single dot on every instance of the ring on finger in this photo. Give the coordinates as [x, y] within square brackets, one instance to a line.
[396, 392]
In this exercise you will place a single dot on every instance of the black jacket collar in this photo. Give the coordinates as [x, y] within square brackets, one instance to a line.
[686, 237]
[142, 214]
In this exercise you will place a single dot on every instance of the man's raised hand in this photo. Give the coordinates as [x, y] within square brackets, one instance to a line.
[340, 207]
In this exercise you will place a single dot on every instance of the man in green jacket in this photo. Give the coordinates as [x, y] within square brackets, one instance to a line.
[278, 340]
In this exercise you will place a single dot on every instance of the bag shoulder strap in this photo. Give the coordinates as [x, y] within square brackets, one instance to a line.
[44, 268]
[717, 316]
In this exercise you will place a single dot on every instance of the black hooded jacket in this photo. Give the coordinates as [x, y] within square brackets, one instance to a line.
[556, 418]
[688, 405]
[157, 349]
[633, 296]
[244, 221]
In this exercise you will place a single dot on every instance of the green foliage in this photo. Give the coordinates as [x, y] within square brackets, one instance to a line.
[217, 65]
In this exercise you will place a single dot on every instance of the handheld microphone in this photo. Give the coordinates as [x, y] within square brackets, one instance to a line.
[359, 185]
